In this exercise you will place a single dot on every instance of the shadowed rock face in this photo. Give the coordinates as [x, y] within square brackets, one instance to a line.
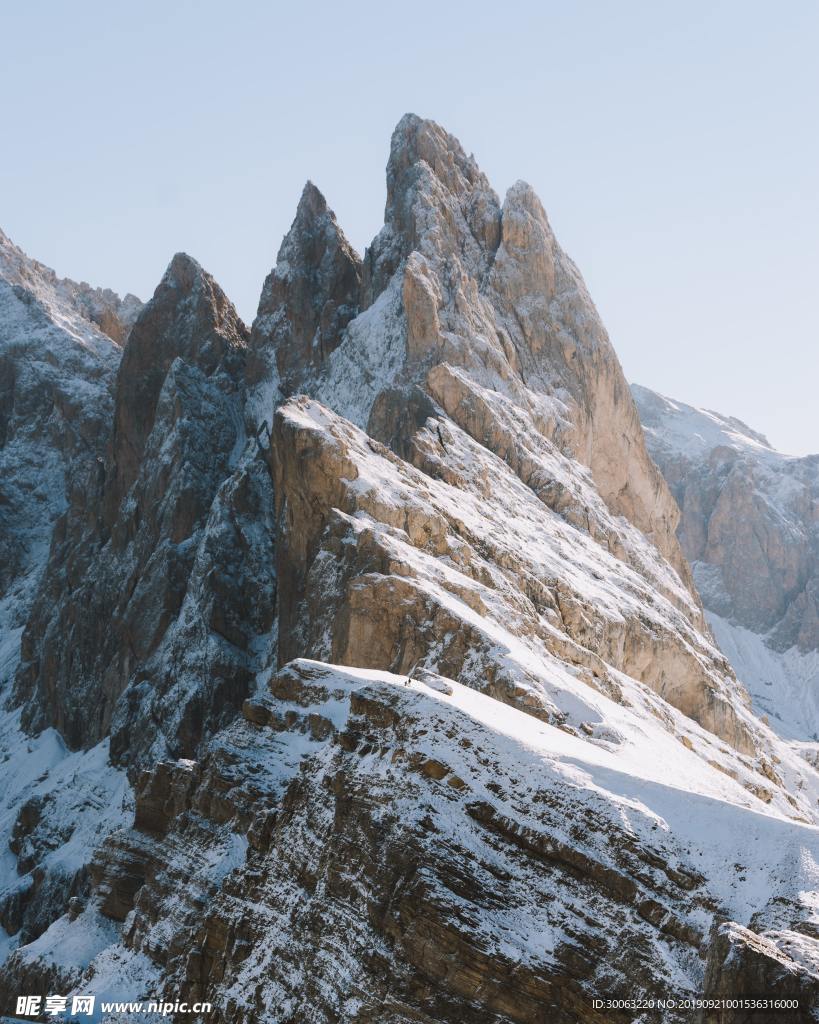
[146, 613]
[745, 965]
[57, 373]
[57, 379]
[307, 299]
[188, 318]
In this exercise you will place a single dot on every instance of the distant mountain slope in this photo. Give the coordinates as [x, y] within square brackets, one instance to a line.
[59, 352]
[69, 302]
[750, 528]
[57, 366]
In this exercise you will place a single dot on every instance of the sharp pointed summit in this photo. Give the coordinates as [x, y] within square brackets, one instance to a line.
[308, 299]
[337, 649]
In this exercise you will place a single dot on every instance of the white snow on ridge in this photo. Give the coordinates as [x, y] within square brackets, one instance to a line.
[499, 512]
[68, 304]
[56, 377]
[661, 795]
[651, 784]
[695, 432]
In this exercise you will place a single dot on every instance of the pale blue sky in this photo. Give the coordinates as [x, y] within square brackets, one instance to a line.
[674, 146]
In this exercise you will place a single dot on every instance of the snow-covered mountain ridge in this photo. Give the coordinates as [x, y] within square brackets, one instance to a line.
[57, 372]
[750, 529]
[380, 608]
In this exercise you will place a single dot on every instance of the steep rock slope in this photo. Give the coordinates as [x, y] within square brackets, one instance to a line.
[500, 768]
[57, 372]
[474, 315]
[365, 847]
[307, 300]
[144, 625]
[749, 527]
[144, 633]
[56, 375]
[456, 286]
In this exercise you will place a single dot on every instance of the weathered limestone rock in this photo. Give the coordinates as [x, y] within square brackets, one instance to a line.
[743, 965]
[145, 614]
[307, 300]
[383, 566]
[391, 815]
[454, 279]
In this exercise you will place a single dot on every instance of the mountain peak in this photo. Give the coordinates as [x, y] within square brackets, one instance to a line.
[456, 550]
[692, 429]
[312, 202]
[184, 272]
[308, 298]
[188, 317]
[417, 140]
[438, 202]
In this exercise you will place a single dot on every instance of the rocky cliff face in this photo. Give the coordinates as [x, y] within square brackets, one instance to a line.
[749, 528]
[408, 670]
[57, 379]
[464, 295]
[364, 847]
[144, 623]
[307, 300]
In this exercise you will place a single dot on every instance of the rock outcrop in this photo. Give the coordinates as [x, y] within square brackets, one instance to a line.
[307, 300]
[365, 847]
[761, 977]
[466, 295]
[419, 572]
[144, 624]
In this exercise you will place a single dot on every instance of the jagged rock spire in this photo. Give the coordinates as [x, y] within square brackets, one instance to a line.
[307, 299]
[438, 200]
[190, 317]
[460, 293]
[162, 487]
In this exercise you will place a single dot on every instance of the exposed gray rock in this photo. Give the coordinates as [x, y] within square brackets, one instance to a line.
[129, 635]
[307, 300]
[750, 973]
[57, 374]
